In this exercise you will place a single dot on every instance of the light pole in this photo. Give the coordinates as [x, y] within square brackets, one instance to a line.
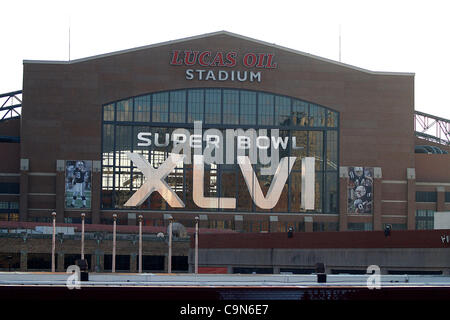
[53, 241]
[169, 258]
[83, 215]
[114, 244]
[140, 243]
[196, 245]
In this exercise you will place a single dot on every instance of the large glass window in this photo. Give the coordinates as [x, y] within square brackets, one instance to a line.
[108, 144]
[426, 196]
[247, 108]
[299, 113]
[332, 119]
[303, 129]
[178, 106]
[160, 107]
[265, 109]
[142, 108]
[325, 226]
[9, 187]
[331, 193]
[9, 211]
[213, 99]
[360, 226]
[125, 110]
[123, 145]
[230, 106]
[316, 116]
[195, 105]
[332, 150]
[316, 148]
[424, 219]
[282, 111]
[108, 112]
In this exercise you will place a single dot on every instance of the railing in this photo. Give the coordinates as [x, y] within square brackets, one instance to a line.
[432, 128]
[27, 235]
[10, 105]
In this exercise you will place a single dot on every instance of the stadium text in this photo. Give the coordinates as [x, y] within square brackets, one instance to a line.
[228, 59]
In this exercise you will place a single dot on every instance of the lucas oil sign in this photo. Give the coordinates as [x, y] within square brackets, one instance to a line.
[245, 147]
[219, 66]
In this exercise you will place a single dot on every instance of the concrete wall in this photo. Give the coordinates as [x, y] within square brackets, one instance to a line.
[401, 250]
[427, 259]
[432, 167]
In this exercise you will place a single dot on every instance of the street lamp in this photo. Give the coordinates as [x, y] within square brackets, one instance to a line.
[53, 241]
[83, 215]
[169, 259]
[196, 245]
[114, 243]
[140, 243]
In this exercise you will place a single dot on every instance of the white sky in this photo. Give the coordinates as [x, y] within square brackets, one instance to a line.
[400, 36]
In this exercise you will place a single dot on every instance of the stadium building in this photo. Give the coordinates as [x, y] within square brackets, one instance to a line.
[68, 137]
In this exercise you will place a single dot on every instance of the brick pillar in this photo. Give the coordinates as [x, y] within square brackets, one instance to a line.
[96, 191]
[133, 262]
[98, 260]
[166, 264]
[411, 177]
[309, 227]
[203, 223]
[132, 219]
[440, 204]
[23, 260]
[60, 184]
[23, 200]
[60, 262]
[376, 198]
[273, 226]
[238, 223]
[343, 196]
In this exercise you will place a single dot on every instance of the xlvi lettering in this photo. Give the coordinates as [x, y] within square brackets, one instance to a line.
[155, 182]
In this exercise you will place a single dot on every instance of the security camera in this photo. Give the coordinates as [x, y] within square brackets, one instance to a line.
[387, 230]
[290, 232]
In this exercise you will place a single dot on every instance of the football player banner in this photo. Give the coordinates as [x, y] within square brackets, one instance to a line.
[78, 184]
[360, 190]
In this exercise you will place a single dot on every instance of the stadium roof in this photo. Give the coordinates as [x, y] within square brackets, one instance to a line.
[220, 33]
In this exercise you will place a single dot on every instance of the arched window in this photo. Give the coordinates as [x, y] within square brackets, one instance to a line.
[311, 130]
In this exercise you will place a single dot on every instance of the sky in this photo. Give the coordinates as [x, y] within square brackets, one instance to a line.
[393, 36]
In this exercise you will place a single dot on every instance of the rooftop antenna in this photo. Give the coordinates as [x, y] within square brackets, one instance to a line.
[69, 38]
[339, 43]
